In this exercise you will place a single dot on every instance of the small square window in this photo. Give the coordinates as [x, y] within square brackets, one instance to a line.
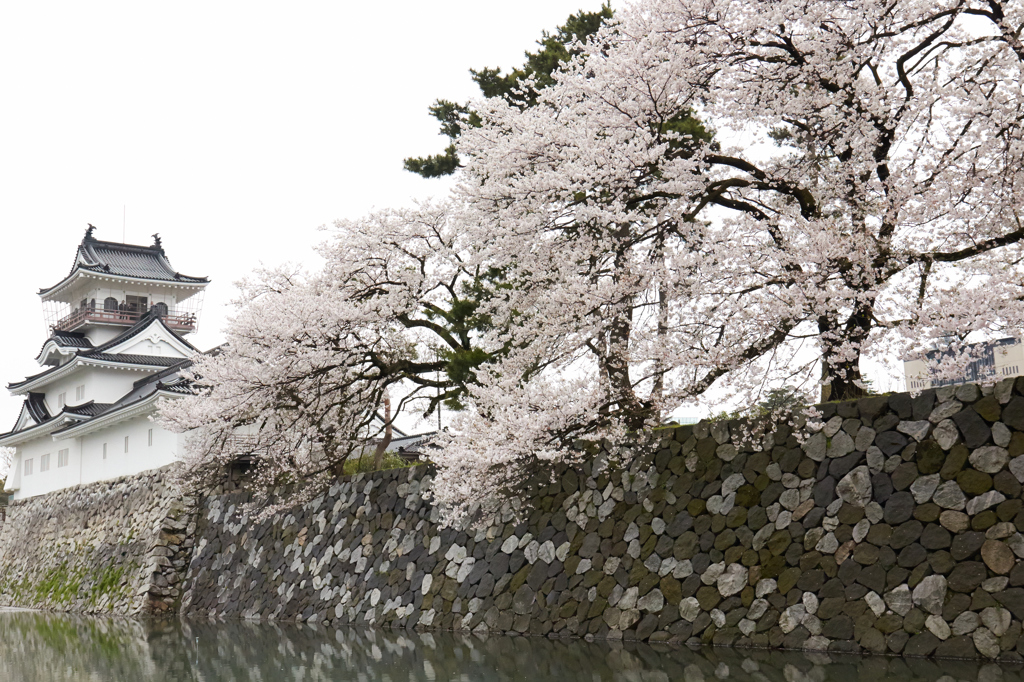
[44, 463]
[62, 400]
[28, 467]
[62, 458]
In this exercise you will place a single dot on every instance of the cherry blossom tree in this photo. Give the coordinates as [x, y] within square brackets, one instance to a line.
[872, 205]
[304, 380]
[860, 198]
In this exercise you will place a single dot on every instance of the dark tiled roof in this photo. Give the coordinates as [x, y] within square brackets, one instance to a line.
[122, 358]
[130, 359]
[70, 340]
[36, 406]
[89, 409]
[126, 260]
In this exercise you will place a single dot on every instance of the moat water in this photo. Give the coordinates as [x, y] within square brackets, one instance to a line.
[37, 647]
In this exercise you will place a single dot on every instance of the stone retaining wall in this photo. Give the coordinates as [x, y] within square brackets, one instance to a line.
[894, 527]
[117, 546]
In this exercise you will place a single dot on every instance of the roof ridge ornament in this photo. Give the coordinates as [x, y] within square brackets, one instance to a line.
[158, 243]
[89, 230]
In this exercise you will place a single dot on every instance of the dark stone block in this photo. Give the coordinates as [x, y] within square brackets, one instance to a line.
[905, 534]
[849, 571]
[824, 492]
[967, 576]
[871, 407]
[890, 442]
[679, 525]
[967, 544]
[811, 581]
[881, 486]
[873, 578]
[935, 537]
[1012, 599]
[911, 556]
[840, 627]
[886, 423]
[922, 644]
[923, 405]
[843, 465]
[930, 457]
[1013, 413]
[957, 647]
[902, 405]
[972, 427]
[899, 508]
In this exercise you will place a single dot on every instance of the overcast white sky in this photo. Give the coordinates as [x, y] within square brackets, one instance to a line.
[232, 129]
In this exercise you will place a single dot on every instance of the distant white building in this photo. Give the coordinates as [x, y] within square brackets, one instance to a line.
[994, 360]
[118, 325]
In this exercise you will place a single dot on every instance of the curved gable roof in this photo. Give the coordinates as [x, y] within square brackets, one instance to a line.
[124, 260]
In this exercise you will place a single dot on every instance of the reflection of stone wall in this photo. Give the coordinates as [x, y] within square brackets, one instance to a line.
[52, 648]
[111, 547]
[895, 528]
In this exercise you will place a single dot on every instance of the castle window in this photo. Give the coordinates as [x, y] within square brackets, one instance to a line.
[28, 467]
[44, 463]
[62, 400]
[62, 458]
[104, 451]
[126, 443]
[151, 438]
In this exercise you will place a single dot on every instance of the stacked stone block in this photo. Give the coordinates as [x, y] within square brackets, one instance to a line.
[891, 524]
[116, 547]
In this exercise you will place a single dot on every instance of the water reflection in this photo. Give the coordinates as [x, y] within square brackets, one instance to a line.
[57, 648]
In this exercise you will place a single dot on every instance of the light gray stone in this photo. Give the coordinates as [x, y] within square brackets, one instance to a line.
[949, 496]
[832, 426]
[652, 602]
[946, 434]
[924, 487]
[930, 594]
[916, 430]
[1017, 468]
[937, 626]
[899, 600]
[984, 501]
[990, 458]
[1001, 434]
[855, 487]
[944, 411]
[733, 580]
[986, 642]
[865, 438]
[996, 619]
[841, 446]
[689, 609]
[966, 623]
[875, 458]
[815, 446]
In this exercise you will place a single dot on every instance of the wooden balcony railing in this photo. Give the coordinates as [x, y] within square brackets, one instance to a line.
[82, 316]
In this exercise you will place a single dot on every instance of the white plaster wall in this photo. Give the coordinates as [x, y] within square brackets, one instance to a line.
[104, 385]
[140, 456]
[39, 482]
[86, 463]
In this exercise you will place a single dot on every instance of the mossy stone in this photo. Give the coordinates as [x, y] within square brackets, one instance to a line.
[927, 512]
[708, 597]
[696, 507]
[930, 457]
[1016, 446]
[778, 542]
[787, 579]
[984, 520]
[974, 482]
[989, 408]
[955, 461]
[747, 496]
